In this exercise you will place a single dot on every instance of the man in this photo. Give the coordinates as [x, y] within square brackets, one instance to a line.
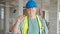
[30, 24]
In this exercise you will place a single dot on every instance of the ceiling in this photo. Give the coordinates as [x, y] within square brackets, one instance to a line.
[44, 2]
[2, 1]
[24, 1]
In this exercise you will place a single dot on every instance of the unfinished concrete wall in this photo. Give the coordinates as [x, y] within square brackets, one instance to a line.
[9, 19]
[49, 5]
[52, 10]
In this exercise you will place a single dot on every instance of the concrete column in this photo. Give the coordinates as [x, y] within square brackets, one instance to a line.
[20, 8]
[58, 18]
[6, 18]
[53, 20]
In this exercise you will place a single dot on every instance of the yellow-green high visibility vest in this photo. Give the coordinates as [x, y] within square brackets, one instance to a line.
[25, 25]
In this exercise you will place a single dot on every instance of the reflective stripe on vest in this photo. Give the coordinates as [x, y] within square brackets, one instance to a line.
[25, 25]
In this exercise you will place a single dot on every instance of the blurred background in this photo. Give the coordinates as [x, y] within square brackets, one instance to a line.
[11, 9]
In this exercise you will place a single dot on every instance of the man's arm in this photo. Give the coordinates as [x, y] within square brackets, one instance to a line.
[45, 29]
[14, 28]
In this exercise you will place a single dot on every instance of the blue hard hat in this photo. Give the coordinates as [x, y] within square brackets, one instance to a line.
[31, 4]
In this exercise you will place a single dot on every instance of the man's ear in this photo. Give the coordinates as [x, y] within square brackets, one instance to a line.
[25, 12]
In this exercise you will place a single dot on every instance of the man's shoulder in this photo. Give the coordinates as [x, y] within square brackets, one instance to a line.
[40, 17]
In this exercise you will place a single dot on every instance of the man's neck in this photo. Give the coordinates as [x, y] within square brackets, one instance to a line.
[32, 16]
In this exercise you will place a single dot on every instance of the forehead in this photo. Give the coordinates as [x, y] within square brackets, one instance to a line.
[31, 8]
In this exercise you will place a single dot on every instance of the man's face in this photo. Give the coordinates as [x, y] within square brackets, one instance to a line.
[31, 11]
